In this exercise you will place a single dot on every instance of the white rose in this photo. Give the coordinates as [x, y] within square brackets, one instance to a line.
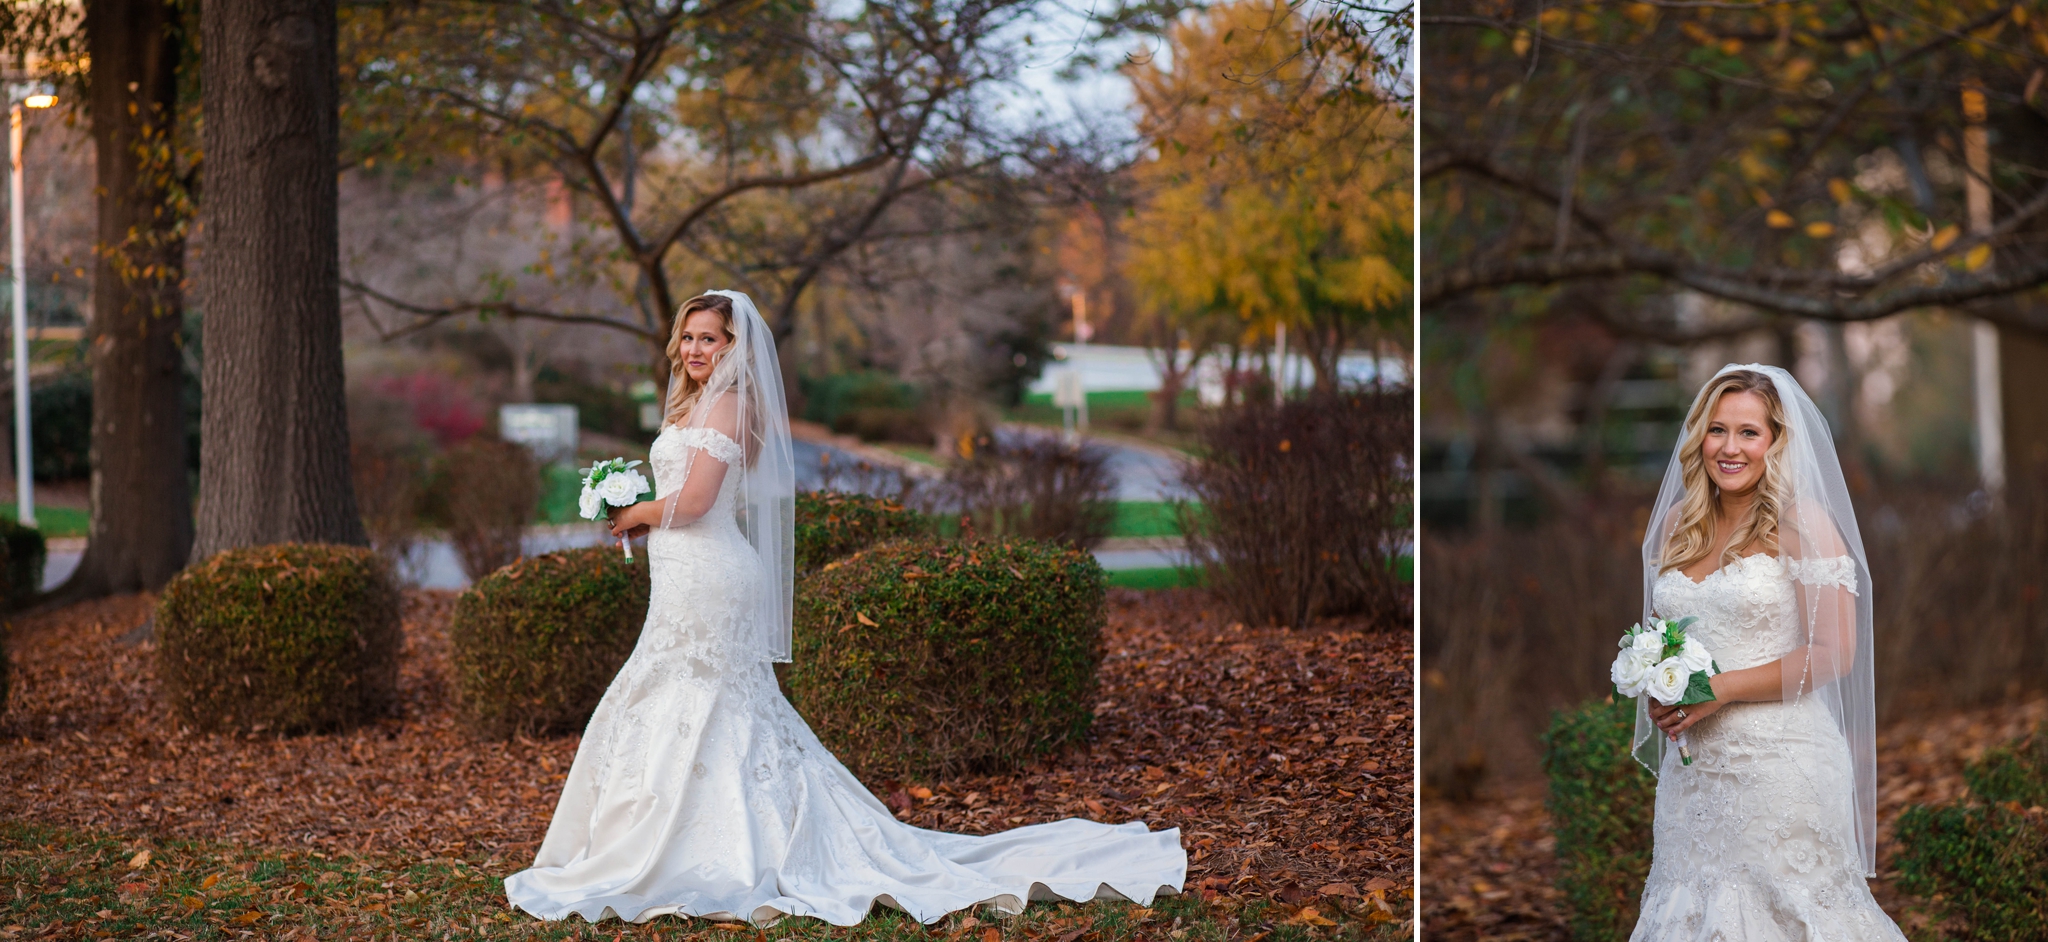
[637, 480]
[590, 505]
[1667, 681]
[1695, 657]
[618, 489]
[1630, 671]
[1648, 644]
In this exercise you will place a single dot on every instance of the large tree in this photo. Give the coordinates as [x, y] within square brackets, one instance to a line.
[141, 527]
[274, 463]
[1274, 195]
[727, 142]
[1684, 171]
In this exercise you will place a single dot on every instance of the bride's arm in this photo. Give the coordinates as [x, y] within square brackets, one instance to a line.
[699, 491]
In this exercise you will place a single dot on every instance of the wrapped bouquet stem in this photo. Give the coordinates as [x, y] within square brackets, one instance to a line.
[614, 482]
[1660, 662]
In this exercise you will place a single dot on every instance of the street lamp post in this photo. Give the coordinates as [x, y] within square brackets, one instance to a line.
[24, 468]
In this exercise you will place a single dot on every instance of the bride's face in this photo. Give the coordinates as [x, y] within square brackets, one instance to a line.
[704, 340]
[1738, 436]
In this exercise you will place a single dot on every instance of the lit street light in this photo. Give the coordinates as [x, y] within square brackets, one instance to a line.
[24, 469]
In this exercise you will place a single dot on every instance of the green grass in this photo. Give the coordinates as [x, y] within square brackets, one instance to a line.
[559, 487]
[1164, 577]
[922, 454]
[57, 521]
[74, 884]
[1125, 410]
[1171, 577]
[1106, 400]
[1145, 518]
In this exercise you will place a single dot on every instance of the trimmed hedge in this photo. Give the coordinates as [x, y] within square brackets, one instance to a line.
[288, 638]
[1984, 862]
[830, 525]
[26, 552]
[922, 658]
[1600, 806]
[537, 642]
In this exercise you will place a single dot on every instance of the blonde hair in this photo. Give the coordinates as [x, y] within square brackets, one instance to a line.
[1692, 537]
[684, 391]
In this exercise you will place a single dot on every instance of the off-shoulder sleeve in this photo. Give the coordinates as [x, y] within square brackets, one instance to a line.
[1825, 573]
[713, 442]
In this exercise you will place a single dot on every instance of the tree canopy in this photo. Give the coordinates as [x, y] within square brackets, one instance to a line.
[1269, 199]
[1803, 158]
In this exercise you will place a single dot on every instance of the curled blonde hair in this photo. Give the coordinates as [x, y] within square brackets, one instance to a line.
[684, 390]
[1692, 537]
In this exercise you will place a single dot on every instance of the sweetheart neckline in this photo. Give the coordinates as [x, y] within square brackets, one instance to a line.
[1739, 560]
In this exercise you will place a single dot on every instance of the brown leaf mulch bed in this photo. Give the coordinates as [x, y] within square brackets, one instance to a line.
[1283, 756]
[1487, 865]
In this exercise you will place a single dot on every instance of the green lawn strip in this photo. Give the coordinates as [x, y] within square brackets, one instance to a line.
[1145, 518]
[56, 521]
[75, 884]
[560, 485]
[922, 454]
[1163, 577]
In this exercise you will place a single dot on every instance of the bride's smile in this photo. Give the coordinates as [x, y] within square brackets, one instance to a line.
[1738, 437]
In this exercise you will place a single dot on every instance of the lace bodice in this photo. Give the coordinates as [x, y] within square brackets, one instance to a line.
[1748, 613]
[667, 456]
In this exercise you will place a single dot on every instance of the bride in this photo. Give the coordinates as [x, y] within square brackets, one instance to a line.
[697, 789]
[1771, 832]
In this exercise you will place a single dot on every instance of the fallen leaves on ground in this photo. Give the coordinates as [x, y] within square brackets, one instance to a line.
[1488, 865]
[1283, 757]
[208, 890]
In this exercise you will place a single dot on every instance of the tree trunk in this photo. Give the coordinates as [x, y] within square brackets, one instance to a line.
[2023, 374]
[274, 466]
[141, 501]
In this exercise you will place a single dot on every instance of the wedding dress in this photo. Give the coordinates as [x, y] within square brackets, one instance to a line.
[1755, 840]
[698, 790]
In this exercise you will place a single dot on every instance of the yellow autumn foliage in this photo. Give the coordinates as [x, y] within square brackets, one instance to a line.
[1266, 199]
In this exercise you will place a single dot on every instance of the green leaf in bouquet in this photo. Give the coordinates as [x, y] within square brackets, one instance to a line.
[1699, 689]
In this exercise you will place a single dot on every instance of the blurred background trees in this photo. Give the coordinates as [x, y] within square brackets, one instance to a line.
[1620, 198]
[1185, 204]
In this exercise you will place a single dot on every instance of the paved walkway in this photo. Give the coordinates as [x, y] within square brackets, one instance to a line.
[1143, 472]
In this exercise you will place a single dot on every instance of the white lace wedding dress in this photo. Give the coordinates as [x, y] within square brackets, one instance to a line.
[698, 790]
[1755, 841]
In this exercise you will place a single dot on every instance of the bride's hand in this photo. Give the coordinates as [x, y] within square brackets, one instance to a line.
[626, 523]
[1677, 719]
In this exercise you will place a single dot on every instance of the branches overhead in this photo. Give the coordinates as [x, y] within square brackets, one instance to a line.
[1803, 158]
[750, 141]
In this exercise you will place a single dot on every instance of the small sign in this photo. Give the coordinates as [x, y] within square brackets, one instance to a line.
[549, 430]
[1069, 394]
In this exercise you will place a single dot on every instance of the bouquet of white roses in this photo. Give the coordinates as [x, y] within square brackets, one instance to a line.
[1662, 662]
[615, 482]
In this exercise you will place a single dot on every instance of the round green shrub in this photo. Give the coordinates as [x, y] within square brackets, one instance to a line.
[923, 658]
[288, 638]
[1983, 861]
[1600, 808]
[830, 525]
[537, 642]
